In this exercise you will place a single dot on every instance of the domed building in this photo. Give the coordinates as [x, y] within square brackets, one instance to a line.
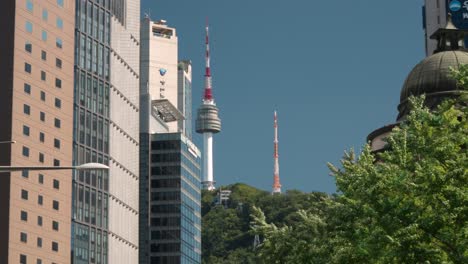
[430, 77]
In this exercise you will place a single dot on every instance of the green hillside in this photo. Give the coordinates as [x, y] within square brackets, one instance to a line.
[226, 232]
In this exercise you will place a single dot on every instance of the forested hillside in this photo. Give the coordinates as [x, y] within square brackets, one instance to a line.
[226, 232]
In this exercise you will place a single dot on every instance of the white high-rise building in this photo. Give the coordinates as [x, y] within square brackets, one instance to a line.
[124, 133]
[159, 71]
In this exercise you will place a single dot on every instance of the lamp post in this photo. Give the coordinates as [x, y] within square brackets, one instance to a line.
[86, 166]
[8, 142]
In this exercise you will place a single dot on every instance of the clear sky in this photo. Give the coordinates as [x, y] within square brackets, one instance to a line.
[332, 69]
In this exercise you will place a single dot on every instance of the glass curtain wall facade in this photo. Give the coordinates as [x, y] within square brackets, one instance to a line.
[105, 204]
[175, 210]
[90, 207]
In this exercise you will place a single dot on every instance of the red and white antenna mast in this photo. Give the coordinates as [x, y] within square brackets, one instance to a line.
[208, 97]
[276, 178]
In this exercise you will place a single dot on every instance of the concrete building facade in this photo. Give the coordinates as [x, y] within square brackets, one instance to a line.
[184, 98]
[36, 110]
[159, 59]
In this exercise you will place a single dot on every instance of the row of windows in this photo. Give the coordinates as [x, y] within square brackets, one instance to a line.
[93, 21]
[92, 55]
[26, 132]
[25, 196]
[165, 234]
[57, 101]
[91, 206]
[28, 69]
[44, 35]
[29, 48]
[27, 111]
[93, 130]
[55, 182]
[90, 245]
[97, 179]
[24, 217]
[168, 247]
[93, 93]
[166, 145]
[26, 153]
[165, 196]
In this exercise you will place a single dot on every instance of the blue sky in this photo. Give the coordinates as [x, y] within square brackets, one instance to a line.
[332, 69]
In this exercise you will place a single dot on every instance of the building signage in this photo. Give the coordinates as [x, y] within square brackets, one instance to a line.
[459, 11]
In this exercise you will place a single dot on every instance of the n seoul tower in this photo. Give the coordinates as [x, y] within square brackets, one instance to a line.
[208, 122]
[276, 178]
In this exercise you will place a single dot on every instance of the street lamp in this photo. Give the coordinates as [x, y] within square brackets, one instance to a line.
[8, 142]
[86, 166]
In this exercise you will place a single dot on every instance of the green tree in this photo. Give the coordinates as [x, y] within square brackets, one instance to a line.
[407, 204]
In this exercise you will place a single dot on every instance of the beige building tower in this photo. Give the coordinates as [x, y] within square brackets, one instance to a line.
[159, 65]
[36, 111]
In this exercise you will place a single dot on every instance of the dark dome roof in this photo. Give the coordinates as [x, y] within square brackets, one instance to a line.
[432, 75]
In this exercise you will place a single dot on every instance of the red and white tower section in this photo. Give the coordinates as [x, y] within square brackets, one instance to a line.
[208, 122]
[276, 178]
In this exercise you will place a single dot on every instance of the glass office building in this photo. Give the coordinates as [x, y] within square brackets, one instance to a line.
[174, 200]
[105, 215]
[91, 137]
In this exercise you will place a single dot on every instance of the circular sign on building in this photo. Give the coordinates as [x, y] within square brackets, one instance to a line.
[459, 11]
[455, 5]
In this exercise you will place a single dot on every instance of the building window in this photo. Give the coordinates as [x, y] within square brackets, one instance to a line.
[56, 162]
[60, 3]
[58, 83]
[55, 246]
[43, 55]
[29, 5]
[27, 88]
[42, 116]
[25, 151]
[56, 184]
[23, 259]
[58, 63]
[23, 237]
[58, 103]
[25, 173]
[39, 261]
[24, 194]
[28, 46]
[41, 137]
[29, 27]
[45, 14]
[26, 131]
[43, 96]
[26, 109]
[27, 67]
[57, 123]
[59, 43]
[24, 216]
[55, 204]
[57, 143]
[43, 75]
[40, 199]
[39, 242]
[44, 35]
[41, 157]
[55, 225]
[39, 220]
[40, 178]
[59, 23]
